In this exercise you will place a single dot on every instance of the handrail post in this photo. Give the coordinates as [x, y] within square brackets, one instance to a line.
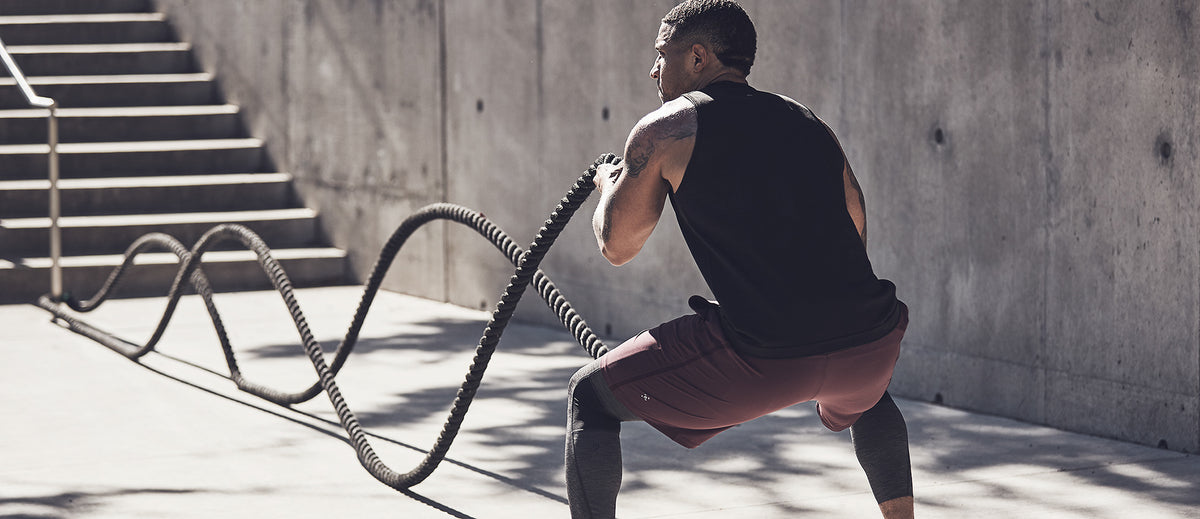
[56, 285]
[36, 101]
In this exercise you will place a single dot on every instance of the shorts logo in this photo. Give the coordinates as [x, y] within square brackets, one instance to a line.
[645, 397]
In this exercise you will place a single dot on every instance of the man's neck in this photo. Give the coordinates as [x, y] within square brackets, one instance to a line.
[730, 75]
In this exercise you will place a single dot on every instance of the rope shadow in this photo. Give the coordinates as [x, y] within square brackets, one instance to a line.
[333, 424]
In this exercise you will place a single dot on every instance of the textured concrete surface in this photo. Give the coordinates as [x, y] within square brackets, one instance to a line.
[1027, 166]
[347, 95]
[1124, 198]
[90, 434]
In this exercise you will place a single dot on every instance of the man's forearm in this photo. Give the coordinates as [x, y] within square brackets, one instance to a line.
[602, 221]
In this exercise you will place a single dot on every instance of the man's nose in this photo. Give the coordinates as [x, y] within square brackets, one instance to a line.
[654, 70]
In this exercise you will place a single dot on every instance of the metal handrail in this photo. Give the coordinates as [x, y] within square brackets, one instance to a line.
[36, 101]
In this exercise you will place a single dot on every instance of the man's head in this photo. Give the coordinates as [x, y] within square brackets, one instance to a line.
[699, 30]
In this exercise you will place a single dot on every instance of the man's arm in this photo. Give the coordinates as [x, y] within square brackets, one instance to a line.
[856, 203]
[634, 192]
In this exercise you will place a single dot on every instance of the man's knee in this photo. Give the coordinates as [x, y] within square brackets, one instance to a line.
[580, 380]
[586, 407]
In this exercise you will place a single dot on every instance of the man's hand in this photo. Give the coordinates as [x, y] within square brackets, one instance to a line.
[608, 174]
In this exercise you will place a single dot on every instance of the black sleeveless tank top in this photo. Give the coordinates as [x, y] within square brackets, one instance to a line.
[762, 208]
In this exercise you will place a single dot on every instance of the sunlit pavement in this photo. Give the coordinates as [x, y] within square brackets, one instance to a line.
[88, 433]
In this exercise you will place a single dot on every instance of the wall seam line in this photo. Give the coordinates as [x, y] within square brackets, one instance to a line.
[1048, 157]
[444, 145]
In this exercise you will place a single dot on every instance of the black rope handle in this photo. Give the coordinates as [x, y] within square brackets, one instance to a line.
[527, 272]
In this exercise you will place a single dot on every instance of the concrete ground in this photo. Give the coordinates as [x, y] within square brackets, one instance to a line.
[87, 433]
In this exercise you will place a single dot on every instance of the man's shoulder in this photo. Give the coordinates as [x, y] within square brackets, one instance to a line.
[662, 141]
[670, 112]
[675, 119]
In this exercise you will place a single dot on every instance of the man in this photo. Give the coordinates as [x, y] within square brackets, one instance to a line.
[776, 222]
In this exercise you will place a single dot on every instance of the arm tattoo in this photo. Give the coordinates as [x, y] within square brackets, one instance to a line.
[673, 128]
[636, 162]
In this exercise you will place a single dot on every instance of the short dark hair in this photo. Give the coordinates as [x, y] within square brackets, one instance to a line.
[722, 24]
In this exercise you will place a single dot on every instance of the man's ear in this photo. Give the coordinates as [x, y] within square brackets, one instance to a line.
[700, 57]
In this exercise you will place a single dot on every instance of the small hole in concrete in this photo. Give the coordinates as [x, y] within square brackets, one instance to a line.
[1162, 444]
[604, 113]
[937, 398]
[608, 329]
[483, 305]
[1163, 148]
[479, 105]
[939, 136]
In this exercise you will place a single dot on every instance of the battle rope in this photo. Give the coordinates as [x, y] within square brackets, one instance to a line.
[526, 262]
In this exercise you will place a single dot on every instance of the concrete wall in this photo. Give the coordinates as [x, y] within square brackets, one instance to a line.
[346, 96]
[1029, 168]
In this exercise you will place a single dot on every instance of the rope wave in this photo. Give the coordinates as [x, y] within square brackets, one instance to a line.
[527, 272]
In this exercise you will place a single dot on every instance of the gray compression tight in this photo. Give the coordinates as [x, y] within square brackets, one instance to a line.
[593, 454]
[593, 447]
[881, 443]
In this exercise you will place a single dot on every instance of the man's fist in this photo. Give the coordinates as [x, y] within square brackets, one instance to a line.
[611, 172]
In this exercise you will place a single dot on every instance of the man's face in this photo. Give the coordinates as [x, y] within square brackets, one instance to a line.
[671, 66]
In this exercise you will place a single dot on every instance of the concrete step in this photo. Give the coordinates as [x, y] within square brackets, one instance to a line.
[25, 237]
[145, 146]
[93, 159]
[103, 58]
[147, 195]
[123, 124]
[23, 280]
[34, 7]
[85, 28]
[116, 90]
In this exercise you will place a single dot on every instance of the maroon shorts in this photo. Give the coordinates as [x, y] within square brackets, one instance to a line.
[685, 379]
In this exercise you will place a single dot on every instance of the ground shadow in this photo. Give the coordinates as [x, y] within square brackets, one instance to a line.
[67, 504]
[947, 443]
[960, 442]
[524, 442]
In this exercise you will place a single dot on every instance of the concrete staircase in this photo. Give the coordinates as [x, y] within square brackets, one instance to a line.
[147, 146]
